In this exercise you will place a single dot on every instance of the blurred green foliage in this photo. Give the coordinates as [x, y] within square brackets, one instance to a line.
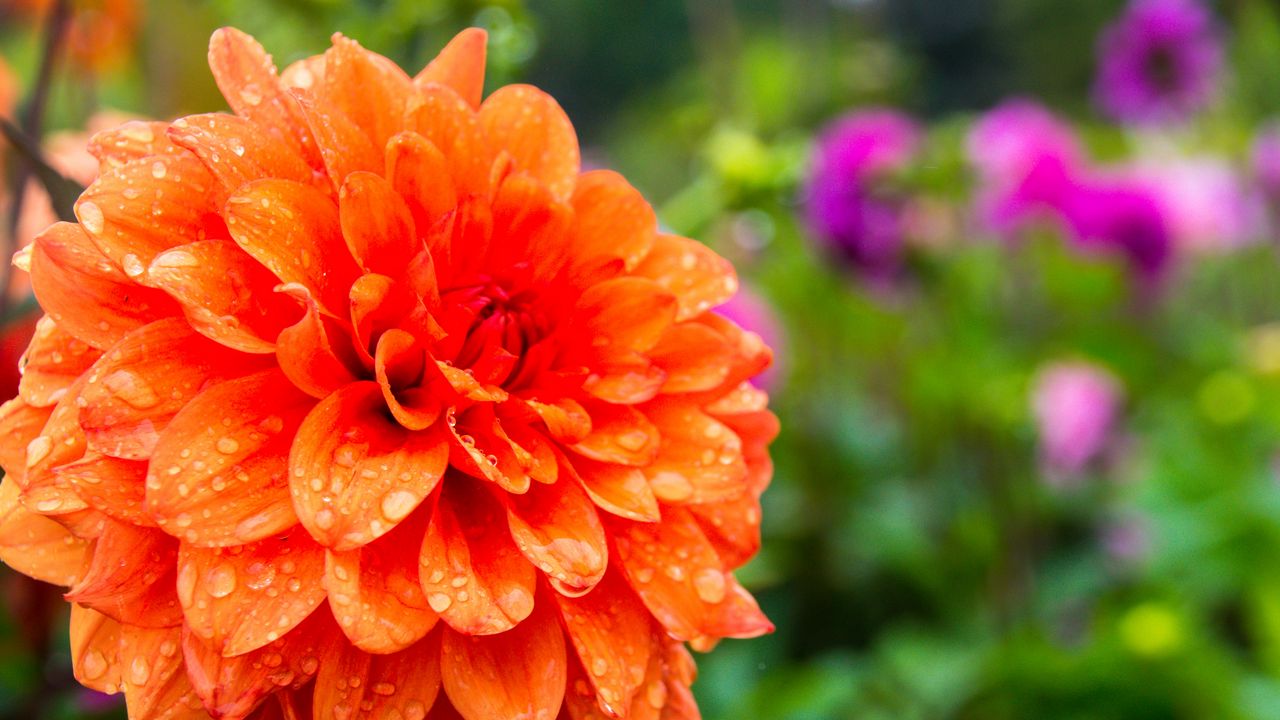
[916, 563]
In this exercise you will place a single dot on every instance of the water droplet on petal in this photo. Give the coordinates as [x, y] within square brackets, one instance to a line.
[397, 504]
[220, 581]
[710, 585]
[227, 445]
[439, 602]
[90, 217]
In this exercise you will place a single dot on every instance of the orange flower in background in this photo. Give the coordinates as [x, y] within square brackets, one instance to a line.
[100, 33]
[364, 401]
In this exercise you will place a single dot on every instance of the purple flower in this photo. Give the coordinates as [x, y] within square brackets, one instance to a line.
[1159, 62]
[849, 204]
[1075, 406]
[1027, 161]
[1115, 215]
[750, 311]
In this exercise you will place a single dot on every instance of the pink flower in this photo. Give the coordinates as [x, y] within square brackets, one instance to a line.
[1075, 406]
[751, 311]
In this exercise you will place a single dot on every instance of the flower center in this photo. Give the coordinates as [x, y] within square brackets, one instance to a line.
[499, 332]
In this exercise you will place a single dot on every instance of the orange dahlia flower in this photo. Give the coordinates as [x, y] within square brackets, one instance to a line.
[365, 401]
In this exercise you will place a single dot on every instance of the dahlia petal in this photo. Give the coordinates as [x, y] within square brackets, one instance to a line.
[527, 223]
[530, 125]
[35, 545]
[465, 384]
[420, 173]
[84, 294]
[226, 295]
[619, 434]
[698, 277]
[316, 353]
[131, 141]
[145, 379]
[748, 355]
[240, 599]
[95, 650]
[460, 65]
[623, 314]
[732, 527]
[700, 458]
[231, 687]
[518, 674]
[355, 473]
[218, 476]
[375, 593]
[130, 577]
[247, 78]
[20, 423]
[361, 686]
[633, 381]
[237, 151]
[533, 450]
[378, 304]
[616, 489]
[473, 577]
[565, 419]
[148, 205]
[304, 74]
[377, 224]
[444, 118]
[110, 485]
[557, 529]
[153, 676]
[398, 364]
[610, 630]
[479, 448]
[612, 220]
[343, 145]
[366, 87]
[690, 593]
[52, 362]
[293, 230]
[692, 356]
[60, 441]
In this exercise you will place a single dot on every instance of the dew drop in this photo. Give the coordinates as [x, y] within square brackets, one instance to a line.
[325, 519]
[710, 585]
[227, 445]
[397, 504]
[90, 217]
[159, 169]
[139, 671]
[93, 665]
[599, 667]
[38, 449]
[220, 581]
[131, 389]
[671, 486]
[439, 602]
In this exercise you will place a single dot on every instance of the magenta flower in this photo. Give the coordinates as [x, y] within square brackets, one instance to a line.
[1266, 162]
[1110, 215]
[850, 204]
[1075, 405]
[1207, 203]
[1159, 62]
[1026, 159]
[751, 311]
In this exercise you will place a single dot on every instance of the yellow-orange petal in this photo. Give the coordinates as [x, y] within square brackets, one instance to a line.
[612, 220]
[226, 295]
[130, 577]
[375, 593]
[377, 224]
[440, 115]
[530, 125]
[420, 173]
[479, 447]
[693, 357]
[153, 676]
[460, 65]
[145, 379]
[343, 145]
[237, 151]
[617, 489]
[218, 475]
[131, 141]
[247, 78]
[110, 485]
[610, 631]
[240, 599]
[620, 434]
[700, 458]
[367, 88]
[231, 687]
[20, 423]
[473, 577]
[732, 527]
[95, 650]
[35, 545]
[52, 362]
[698, 277]
[84, 294]
[518, 674]
[528, 222]
[293, 230]
[355, 473]
[557, 529]
[149, 205]
[356, 685]
[689, 593]
[621, 315]
[399, 363]
[316, 353]
[60, 441]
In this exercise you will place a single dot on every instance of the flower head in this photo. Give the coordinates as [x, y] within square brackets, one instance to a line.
[1075, 406]
[1207, 202]
[1159, 62]
[849, 205]
[364, 398]
[1266, 163]
[1120, 216]
[100, 32]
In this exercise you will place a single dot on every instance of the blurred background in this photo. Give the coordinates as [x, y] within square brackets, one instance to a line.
[1018, 261]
